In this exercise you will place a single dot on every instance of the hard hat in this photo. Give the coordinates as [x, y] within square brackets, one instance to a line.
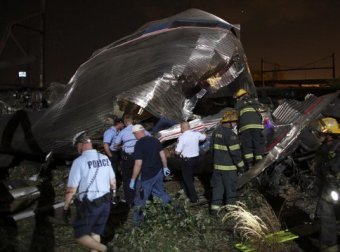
[137, 127]
[81, 137]
[328, 125]
[229, 116]
[240, 93]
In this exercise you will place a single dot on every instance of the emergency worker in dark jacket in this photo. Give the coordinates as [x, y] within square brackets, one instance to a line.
[328, 173]
[227, 159]
[249, 127]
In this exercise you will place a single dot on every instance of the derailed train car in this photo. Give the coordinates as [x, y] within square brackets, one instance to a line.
[178, 67]
[182, 67]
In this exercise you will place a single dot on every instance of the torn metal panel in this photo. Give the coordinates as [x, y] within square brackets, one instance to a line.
[16, 195]
[201, 124]
[285, 138]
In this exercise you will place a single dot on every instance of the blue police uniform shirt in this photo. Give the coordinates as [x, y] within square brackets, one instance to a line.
[83, 171]
[128, 139]
[147, 149]
[109, 137]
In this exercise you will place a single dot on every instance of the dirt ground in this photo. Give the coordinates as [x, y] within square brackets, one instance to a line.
[184, 227]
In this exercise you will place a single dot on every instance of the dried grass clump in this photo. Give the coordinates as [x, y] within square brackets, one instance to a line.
[248, 226]
[256, 234]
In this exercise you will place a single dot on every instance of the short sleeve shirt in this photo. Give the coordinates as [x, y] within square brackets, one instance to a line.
[83, 172]
[127, 139]
[109, 138]
[188, 143]
[147, 149]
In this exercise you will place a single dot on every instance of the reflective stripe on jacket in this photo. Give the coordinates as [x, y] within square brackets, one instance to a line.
[249, 118]
[226, 149]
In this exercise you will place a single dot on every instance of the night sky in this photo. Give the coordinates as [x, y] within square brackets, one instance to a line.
[290, 33]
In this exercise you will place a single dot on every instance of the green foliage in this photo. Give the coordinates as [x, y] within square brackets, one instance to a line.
[173, 227]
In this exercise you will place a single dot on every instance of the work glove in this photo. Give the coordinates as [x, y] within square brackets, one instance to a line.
[67, 215]
[166, 171]
[132, 184]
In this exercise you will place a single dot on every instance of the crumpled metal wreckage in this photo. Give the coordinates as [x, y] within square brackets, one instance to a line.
[294, 117]
[180, 68]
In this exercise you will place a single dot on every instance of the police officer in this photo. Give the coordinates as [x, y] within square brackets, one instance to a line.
[249, 127]
[227, 158]
[188, 149]
[92, 175]
[127, 141]
[151, 166]
[328, 174]
[110, 148]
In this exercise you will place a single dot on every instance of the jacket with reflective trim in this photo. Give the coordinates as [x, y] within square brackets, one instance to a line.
[249, 118]
[226, 149]
[327, 164]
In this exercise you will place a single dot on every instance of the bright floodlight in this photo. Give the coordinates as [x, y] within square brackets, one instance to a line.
[334, 195]
[22, 74]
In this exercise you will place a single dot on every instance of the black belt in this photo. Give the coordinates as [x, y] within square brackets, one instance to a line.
[126, 156]
[188, 158]
[127, 153]
[98, 201]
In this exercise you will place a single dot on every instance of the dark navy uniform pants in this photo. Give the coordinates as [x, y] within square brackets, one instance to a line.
[188, 167]
[115, 160]
[252, 142]
[93, 221]
[326, 212]
[127, 168]
[224, 186]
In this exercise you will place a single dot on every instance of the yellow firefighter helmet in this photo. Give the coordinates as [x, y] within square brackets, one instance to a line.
[240, 93]
[229, 116]
[328, 125]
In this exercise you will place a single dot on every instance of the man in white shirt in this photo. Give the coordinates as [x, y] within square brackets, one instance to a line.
[188, 149]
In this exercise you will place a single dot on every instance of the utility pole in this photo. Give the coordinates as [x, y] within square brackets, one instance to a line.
[42, 46]
[262, 78]
[333, 64]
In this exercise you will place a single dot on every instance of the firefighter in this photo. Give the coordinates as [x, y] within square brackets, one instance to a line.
[328, 175]
[227, 159]
[249, 127]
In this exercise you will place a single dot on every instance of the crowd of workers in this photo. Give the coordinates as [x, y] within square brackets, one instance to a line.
[236, 144]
